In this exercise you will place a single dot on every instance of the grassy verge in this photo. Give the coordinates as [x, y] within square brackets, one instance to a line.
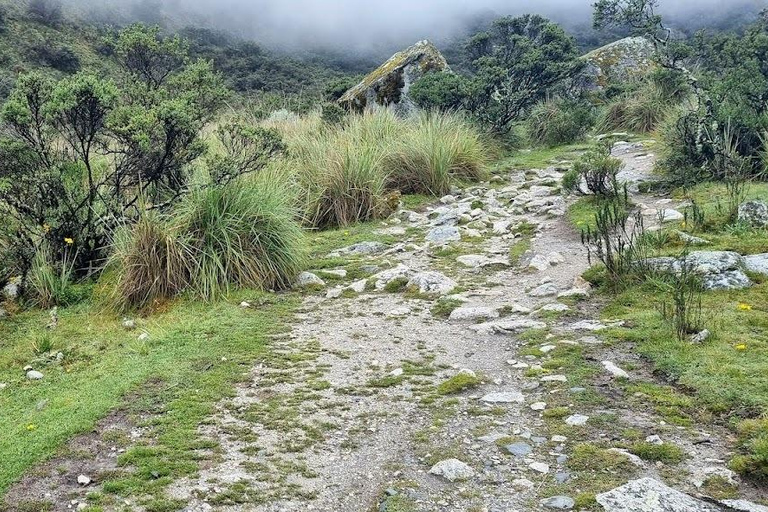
[196, 350]
[727, 374]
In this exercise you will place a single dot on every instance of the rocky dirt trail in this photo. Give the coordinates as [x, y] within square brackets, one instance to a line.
[385, 398]
[461, 369]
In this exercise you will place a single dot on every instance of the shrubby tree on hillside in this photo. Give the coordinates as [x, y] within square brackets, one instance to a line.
[86, 153]
[513, 66]
[515, 63]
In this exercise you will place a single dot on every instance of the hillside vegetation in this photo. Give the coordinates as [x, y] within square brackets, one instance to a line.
[209, 267]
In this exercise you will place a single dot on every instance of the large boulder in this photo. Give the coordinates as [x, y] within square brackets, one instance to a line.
[619, 62]
[388, 86]
[649, 495]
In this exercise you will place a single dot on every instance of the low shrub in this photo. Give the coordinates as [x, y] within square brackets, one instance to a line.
[597, 170]
[435, 151]
[557, 122]
[753, 437]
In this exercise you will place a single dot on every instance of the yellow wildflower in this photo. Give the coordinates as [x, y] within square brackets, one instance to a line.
[31, 427]
[744, 307]
[741, 347]
[69, 241]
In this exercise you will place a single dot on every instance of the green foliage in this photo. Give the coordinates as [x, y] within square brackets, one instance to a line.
[239, 235]
[753, 436]
[559, 122]
[598, 170]
[665, 452]
[458, 383]
[434, 152]
[640, 112]
[515, 64]
[50, 282]
[684, 312]
[85, 153]
[440, 91]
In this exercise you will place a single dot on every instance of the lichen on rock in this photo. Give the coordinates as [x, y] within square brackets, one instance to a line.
[388, 85]
[618, 62]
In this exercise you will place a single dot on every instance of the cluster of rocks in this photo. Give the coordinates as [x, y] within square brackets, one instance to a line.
[719, 270]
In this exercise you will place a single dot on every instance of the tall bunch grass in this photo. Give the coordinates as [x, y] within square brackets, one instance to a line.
[556, 122]
[436, 150]
[241, 235]
[641, 112]
[50, 281]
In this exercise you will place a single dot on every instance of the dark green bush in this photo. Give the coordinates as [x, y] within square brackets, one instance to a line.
[441, 91]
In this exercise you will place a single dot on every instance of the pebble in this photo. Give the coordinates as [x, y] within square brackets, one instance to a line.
[538, 406]
[34, 375]
[83, 480]
[539, 467]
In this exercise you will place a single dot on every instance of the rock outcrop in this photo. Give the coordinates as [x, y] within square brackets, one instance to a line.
[388, 86]
[618, 62]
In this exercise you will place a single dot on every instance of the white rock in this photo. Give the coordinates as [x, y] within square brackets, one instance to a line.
[539, 467]
[538, 406]
[523, 483]
[83, 480]
[554, 378]
[452, 470]
[649, 495]
[576, 420]
[559, 439]
[307, 279]
[397, 372]
[400, 312]
[744, 506]
[34, 375]
[334, 293]
[615, 370]
[433, 283]
[545, 290]
[473, 313]
[358, 286]
[504, 397]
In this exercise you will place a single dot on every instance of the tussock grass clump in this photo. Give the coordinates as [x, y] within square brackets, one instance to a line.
[151, 263]
[344, 172]
[435, 150]
[219, 238]
[641, 112]
[558, 122]
[242, 235]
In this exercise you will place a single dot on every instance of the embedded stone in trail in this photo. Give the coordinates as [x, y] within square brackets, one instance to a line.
[559, 503]
[508, 326]
[360, 249]
[443, 234]
[649, 495]
[519, 449]
[473, 313]
[744, 506]
[615, 370]
[576, 420]
[432, 282]
[504, 397]
[452, 470]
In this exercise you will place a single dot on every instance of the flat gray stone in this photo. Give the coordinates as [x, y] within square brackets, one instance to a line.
[519, 449]
[508, 326]
[432, 282]
[34, 375]
[649, 495]
[576, 420]
[470, 313]
[744, 506]
[504, 397]
[558, 503]
[545, 290]
[360, 249]
[443, 234]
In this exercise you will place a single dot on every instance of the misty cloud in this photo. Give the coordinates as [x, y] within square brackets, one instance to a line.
[359, 24]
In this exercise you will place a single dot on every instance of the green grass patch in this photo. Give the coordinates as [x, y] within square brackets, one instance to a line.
[444, 307]
[542, 157]
[666, 452]
[194, 355]
[458, 383]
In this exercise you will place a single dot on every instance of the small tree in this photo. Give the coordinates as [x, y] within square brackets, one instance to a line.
[516, 63]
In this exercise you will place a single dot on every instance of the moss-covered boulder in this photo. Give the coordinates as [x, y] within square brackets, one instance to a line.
[618, 62]
[388, 86]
